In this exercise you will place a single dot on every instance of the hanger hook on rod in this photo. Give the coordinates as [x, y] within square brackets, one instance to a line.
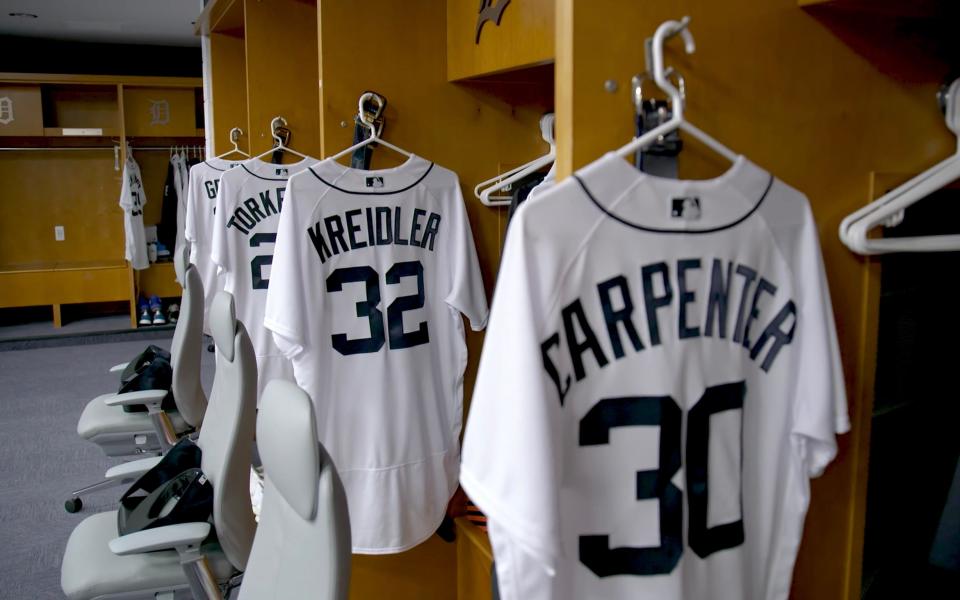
[664, 32]
[362, 112]
[275, 124]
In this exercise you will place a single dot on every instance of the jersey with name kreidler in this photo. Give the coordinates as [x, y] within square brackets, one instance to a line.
[372, 272]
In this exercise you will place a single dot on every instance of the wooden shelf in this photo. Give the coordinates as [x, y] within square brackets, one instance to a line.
[81, 132]
[159, 280]
[912, 9]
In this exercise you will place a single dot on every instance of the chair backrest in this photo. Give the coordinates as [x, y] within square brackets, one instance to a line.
[187, 346]
[226, 438]
[302, 546]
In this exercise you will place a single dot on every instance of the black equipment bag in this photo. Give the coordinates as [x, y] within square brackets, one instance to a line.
[150, 370]
[174, 491]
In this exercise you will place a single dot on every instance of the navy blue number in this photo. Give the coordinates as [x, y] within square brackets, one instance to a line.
[259, 262]
[399, 339]
[663, 411]
[704, 540]
[366, 308]
[595, 426]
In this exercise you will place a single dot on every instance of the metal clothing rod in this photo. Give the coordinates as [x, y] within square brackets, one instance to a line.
[135, 148]
[57, 148]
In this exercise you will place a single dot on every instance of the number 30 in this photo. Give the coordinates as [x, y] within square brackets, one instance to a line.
[595, 426]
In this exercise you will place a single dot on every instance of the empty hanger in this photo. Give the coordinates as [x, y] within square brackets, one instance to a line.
[888, 209]
[664, 32]
[235, 134]
[505, 180]
[374, 134]
[275, 124]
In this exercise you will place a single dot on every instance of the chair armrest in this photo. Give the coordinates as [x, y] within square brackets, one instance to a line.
[146, 397]
[132, 469]
[118, 368]
[161, 538]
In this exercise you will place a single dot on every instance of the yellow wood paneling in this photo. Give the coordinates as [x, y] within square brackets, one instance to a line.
[64, 285]
[221, 16]
[282, 72]
[474, 561]
[159, 280]
[100, 79]
[523, 38]
[76, 189]
[81, 106]
[22, 110]
[775, 83]
[159, 112]
[427, 571]
[228, 85]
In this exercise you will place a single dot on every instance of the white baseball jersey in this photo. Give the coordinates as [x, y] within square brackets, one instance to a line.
[659, 382]
[204, 180]
[132, 200]
[244, 234]
[371, 274]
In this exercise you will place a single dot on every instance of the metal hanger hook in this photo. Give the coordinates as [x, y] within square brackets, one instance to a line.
[275, 124]
[362, 114]
[666, 31]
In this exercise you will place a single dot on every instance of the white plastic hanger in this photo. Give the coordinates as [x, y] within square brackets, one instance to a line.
[276, 123]
[506, 180]
[888, 209]
[374, 134]
[664, 32]
[235, 134]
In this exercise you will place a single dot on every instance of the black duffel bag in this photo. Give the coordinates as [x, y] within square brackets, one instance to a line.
[150, 370]
[174, 491]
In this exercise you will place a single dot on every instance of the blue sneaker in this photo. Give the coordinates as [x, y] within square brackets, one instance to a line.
[157, 310]
[144, 310]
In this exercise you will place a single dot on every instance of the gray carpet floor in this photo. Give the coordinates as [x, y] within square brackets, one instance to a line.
[42, 393]
[44, 328]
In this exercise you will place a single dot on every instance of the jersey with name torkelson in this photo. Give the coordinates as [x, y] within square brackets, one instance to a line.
[204, 180]
[659, 381]
[371, 274]
[244, 236]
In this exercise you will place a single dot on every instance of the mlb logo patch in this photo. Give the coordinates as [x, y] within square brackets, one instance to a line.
[686, 207]
[374, 182]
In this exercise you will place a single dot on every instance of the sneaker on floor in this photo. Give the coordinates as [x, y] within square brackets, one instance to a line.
[173, 313]
[158, 318]
[145, 315]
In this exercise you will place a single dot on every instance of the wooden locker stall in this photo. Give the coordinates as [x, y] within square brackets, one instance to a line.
[813, 98]
[805, 94]
[63, 138]
[477, 128]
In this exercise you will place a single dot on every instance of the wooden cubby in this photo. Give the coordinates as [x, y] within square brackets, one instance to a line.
[817, 101]
[61, 167]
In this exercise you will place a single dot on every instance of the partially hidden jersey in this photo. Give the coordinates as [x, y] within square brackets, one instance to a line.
[371, 274]
[659, 381]
[245, 225]
[204, 180]
[132, 201]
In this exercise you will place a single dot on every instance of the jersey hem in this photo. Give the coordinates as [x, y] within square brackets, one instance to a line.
[495, 512]
[404, 547]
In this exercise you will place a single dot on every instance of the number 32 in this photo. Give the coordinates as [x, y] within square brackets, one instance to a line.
[368, 308]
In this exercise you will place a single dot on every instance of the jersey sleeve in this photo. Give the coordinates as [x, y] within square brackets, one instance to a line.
[466, 293]
[126, 201]
[219, 253]
[820, 407]
[286, 308]
[511, 446]
[190, 218]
